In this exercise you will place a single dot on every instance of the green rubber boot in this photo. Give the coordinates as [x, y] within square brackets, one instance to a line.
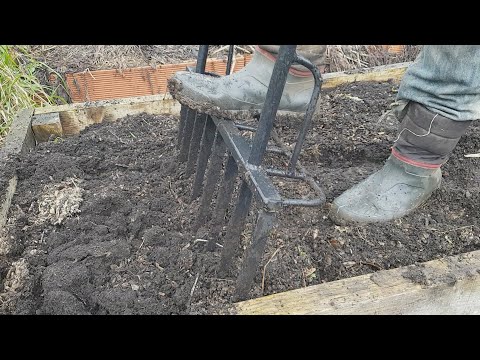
[410, 175]
[242, 94]
[392, 192]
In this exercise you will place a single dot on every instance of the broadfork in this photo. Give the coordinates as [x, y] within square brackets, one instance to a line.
[205, 142]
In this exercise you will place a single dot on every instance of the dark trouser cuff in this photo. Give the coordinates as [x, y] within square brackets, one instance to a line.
[426, 139]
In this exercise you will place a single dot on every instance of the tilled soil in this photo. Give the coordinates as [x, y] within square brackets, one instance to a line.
[101, 222]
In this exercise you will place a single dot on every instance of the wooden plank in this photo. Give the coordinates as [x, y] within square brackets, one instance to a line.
[445, 286]
[46, 125]
[6, 196]
[75, 117]
[393, 72]
[20, 139]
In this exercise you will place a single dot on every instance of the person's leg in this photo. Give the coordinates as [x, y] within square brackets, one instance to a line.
[445, 79]
[246, 89]
[442, 88]
[315, 53]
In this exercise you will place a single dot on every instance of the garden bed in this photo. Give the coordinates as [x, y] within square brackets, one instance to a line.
[100, 221]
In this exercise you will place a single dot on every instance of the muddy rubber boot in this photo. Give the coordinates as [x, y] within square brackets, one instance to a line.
[242, 94]
[410, 175]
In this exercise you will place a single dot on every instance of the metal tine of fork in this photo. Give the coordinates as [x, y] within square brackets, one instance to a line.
[181, 125]
[235, 228]
[187, 135]
[203, 155]
[197, 132]
[211, 180]
[223, 199]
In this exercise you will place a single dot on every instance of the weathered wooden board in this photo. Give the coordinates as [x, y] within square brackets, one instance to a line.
[75, 117]
[393, 72]
[19, 140]
[445, 286]
[45, 126]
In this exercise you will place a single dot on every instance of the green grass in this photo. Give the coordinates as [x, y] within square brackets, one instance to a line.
[19, 85]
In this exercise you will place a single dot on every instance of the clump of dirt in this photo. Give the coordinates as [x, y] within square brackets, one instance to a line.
[131, 249]
[416, 275]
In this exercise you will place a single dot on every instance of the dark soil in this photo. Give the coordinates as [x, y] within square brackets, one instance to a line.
[130, 249]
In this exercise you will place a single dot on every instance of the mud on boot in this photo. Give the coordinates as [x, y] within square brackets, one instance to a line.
[241, 95]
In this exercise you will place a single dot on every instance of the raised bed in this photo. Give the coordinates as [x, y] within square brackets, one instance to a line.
[448, 285]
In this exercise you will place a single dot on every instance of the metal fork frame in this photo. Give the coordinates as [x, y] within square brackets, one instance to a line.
[202, 136]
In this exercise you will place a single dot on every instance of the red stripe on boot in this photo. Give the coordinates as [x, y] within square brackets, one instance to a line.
[292, 71]
[413, 162]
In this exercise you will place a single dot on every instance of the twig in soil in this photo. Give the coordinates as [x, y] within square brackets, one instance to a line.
[203, 240]
[193, 290]
[220, 49]
[124, 166]
[88, 70]
[49, 48]
[111, 132]
[265, 267]
[242, 49]
[74, 183]
[194, 285]
[219, 279]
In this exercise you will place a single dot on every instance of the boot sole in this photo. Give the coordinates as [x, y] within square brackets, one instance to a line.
[215, 111]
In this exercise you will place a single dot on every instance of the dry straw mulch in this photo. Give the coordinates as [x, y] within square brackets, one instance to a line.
[76, 58]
